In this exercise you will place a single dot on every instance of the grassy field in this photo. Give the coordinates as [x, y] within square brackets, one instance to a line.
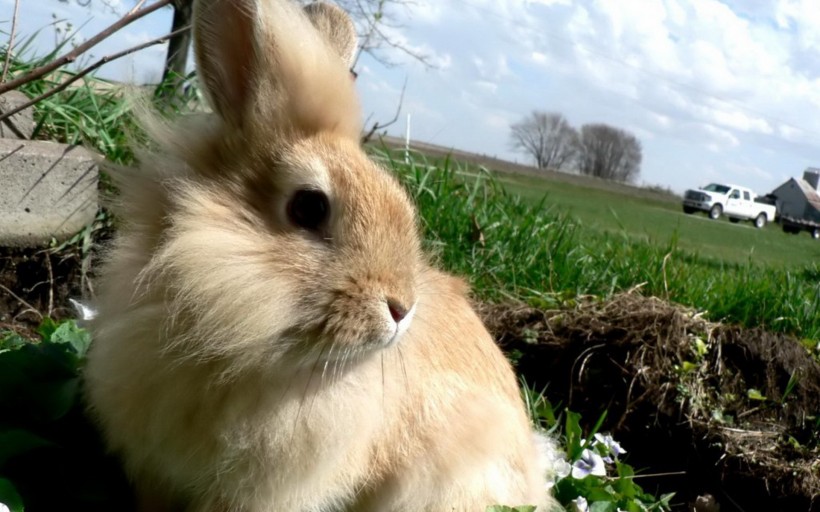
[638, 214]
[549, 242]
[658, 221]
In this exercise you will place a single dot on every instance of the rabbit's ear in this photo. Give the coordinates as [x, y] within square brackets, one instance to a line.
[265, 66]
[224, 32]
[336, 27]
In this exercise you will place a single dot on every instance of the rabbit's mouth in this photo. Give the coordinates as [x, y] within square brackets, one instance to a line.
[363, 331]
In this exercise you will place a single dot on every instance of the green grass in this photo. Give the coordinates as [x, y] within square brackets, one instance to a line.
[90, 112]
[658, 221]
[543, 253]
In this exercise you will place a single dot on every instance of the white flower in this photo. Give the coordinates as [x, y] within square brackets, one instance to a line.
[4, 508]
[579, 504]
[590, 463]
[612, 446]
[562, 468]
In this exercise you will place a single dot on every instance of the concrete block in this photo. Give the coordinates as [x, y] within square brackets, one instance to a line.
[20, 125]
[46, 190]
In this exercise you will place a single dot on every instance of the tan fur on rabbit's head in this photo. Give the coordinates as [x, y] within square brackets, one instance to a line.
[270, 223]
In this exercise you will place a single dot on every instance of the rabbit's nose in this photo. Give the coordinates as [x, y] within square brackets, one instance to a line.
[397, 310]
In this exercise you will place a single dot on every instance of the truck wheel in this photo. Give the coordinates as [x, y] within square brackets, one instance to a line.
[715, 212]
[688, 209]
[815, 233]
[760, 221]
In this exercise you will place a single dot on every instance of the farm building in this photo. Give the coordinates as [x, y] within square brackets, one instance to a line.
[799, 197]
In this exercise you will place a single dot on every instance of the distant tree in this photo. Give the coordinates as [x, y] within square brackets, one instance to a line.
[610, 153]
[548, 138]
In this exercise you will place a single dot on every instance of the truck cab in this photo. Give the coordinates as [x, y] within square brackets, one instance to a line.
[735, 202]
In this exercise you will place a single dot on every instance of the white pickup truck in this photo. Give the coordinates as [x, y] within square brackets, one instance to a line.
[737, 203]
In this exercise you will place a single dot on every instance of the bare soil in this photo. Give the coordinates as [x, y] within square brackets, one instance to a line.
[709, 408]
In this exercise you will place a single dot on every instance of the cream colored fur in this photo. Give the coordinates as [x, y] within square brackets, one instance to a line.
[241, 363]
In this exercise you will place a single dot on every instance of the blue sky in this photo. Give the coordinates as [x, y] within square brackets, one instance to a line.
[715, 90]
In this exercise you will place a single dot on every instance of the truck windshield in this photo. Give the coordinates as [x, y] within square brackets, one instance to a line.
[714, 187]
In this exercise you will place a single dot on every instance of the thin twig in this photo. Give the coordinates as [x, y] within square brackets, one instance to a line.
[21, 301]
[137, 7]
[79, 50]
[89, 69]
[7, 63]
[50, 284]
[377, 125]
[653, 475]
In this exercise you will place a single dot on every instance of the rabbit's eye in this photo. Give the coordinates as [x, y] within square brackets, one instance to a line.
[308, 209]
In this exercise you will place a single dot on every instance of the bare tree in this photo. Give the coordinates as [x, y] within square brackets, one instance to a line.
[610, 153]
[548, 138]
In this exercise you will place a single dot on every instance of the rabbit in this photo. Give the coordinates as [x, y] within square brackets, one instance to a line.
[269, 334]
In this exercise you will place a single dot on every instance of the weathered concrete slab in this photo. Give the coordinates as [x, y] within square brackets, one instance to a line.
[46, 190]
[20, 125]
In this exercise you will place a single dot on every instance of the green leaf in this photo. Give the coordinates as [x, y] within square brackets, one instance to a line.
[40, 382]
[47, 328]
[11, 341]
[9, 496]
[16, 442]
[793, 379]
[573, 432]
[603, 506]
[68, 333]
[596, 427]
[624, 470]
[701, 348]
[755, 394]
[688, 366]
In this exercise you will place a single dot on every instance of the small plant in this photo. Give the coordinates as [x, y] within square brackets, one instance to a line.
[50, 456]
[588, 476]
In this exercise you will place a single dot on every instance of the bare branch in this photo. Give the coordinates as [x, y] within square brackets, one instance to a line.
[79, 50]
[137, 7]
[379, 125]
[89, 69]
[7, 63]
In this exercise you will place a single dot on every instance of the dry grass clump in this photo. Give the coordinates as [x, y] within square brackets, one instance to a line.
[722, 406]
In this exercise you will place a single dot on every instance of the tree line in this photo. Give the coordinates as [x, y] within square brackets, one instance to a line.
[596, 149]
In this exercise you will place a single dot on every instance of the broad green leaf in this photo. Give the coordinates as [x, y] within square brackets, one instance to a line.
[68, 332]
[9, 496]
[11, 341]
[603, 506]
[16, 442]
[573, 432]
[47, 328]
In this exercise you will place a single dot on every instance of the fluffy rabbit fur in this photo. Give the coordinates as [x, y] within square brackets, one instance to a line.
[270, 336]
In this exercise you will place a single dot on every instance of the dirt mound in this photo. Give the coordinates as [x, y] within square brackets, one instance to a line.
[708, 408]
